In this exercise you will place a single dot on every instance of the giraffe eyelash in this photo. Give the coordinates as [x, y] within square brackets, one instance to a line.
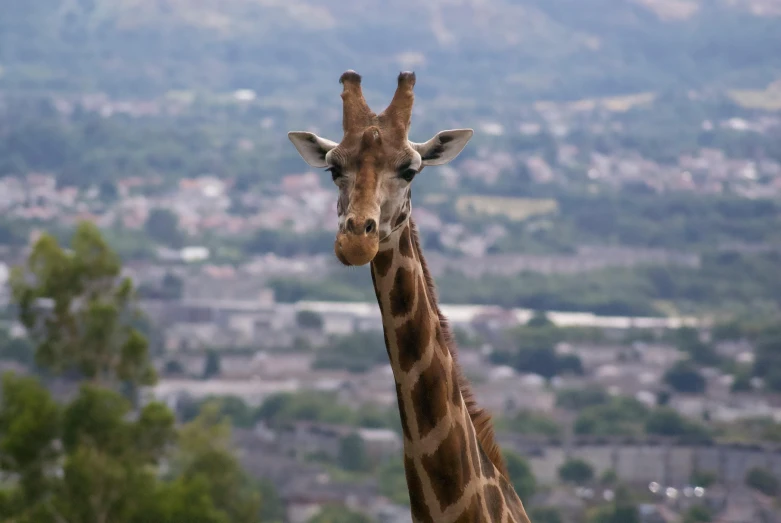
[408, 174]
[336, 172]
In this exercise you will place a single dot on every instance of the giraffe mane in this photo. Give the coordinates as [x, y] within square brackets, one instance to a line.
[481, 419]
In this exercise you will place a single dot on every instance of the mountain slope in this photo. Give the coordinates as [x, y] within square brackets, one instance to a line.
[503, 50]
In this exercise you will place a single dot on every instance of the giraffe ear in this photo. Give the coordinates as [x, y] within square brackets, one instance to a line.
[443, 147]
[311, 147]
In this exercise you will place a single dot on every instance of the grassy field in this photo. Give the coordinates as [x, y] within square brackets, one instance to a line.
[516, 209]
[616, 104]
[768, 99]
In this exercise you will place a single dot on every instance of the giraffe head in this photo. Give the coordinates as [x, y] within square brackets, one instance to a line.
[373, 165]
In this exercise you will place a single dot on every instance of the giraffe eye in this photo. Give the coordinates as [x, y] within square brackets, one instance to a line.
[336, 172]
[408, 174]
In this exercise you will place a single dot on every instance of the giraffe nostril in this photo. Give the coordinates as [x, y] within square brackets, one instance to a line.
[370, 226]
[349, 225]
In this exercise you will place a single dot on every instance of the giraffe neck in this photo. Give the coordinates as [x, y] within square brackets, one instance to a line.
[449, 475]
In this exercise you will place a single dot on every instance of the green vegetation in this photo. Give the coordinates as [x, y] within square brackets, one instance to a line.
[357, 352]
[768, 99]
[684, 377]
[85, 148]
[520, 474]
[764, 481]
[352, 454]
[623, 509]
[576, 471]
[310, 406]
[309, 320]
[727, 281]
[530, 423]
[339, 514]
[98, 455]
[579, 399]
[211, 366]
[77, 309]
[698, 514]
[130, 49]
[514, 209]
[393, 481]
[624, 416]
[162, 226]
[664, 421]
[531, 348]
[545, 515]
[703, 478]
[18, 350]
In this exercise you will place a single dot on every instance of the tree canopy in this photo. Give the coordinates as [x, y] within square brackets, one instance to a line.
[99, 456]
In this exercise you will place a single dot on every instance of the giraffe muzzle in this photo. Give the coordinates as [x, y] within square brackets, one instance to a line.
[358, 243]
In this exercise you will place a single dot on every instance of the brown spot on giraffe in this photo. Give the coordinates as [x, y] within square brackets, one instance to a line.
[403, 414]
[494, 502]
[403, 292]
[447, 468]
[413, 336]
[372, 167]
[474, 512]
[430, 396]
[417, 500]
[405, 244]
[382, 263]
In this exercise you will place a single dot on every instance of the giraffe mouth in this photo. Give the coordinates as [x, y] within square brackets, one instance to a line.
[356, 250]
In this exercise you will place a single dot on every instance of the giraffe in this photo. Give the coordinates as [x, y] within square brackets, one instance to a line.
[453, 466]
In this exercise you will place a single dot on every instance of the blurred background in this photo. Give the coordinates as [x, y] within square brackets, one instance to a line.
[180, 344]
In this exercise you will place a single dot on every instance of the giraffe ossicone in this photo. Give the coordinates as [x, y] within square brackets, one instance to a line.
[453, 465]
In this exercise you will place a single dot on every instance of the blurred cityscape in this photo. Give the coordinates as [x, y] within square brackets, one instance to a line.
[607, 249]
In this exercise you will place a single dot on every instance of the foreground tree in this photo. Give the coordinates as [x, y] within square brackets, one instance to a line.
[79, 310]
[97, 457]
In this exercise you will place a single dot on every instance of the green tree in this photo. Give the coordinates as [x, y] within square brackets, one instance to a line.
[272, 508]
[98, 456]
[357, 352]
[623, 509]
[29, 428]
[742, 380]
[576, 471]
[684, 377]
[204, 454]
[528, 422]
[521, 474]
[703, 478]
[608, 478]
[545, 515]
[763, 480]
[236, 410]
[339, 514]
[393, 481]
[309, 320]
[171, 287]
[688, 340]
[665, 421]
[16, 349]
[577, 399]
[78, 310]
[211, 367]
[163, 226]
[698, 514]
[539, 319]
[620, 416]
[768, 356]
[105, 456]
[352, 453]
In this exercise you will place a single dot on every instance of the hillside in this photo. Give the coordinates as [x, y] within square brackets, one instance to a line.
[504, 50]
